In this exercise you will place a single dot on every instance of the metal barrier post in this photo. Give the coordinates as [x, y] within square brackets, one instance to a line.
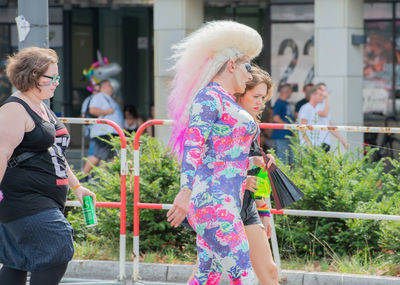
[136, 166]
[122, 204]
[274, 243]
[82, 146]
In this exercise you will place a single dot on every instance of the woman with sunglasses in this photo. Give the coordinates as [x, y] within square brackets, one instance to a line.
[34, 175]
[212, 134]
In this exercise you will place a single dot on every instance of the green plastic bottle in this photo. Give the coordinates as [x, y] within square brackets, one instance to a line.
[263, 185]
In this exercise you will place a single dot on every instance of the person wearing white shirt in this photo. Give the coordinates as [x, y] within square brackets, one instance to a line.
[316, 112]
[103, 106]
[308, 115]
[325, 118]
[85, 114]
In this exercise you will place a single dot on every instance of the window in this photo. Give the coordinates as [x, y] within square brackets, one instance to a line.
[398, 10]
[377, 11]
[292, 12]
[378, 67]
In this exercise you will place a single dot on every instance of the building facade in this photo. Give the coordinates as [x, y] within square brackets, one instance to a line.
[122, 30]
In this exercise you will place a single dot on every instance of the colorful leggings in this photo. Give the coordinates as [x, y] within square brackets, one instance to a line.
[221, 244]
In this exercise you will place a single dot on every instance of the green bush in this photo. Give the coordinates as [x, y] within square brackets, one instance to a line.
[349, 182]
[159, 183]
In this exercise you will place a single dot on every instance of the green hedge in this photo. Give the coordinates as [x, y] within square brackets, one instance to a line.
[349, 182]
[159, 183]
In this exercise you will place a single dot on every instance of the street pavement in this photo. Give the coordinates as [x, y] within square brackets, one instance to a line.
[157, 273]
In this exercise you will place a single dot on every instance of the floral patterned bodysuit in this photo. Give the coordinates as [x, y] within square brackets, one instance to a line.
[214, 167]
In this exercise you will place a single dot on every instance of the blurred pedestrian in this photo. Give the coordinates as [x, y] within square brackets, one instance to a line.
[86, 114]
[302, 101]
[324, 107]
[283, 115]
[132, 121]
[103, 106]
[309, 115]
[325, 118]
[85, 104]
[34, 175]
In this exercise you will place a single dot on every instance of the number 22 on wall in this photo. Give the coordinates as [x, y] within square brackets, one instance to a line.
[290, 43]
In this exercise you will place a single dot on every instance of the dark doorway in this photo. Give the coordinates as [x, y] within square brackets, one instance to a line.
[130, 63]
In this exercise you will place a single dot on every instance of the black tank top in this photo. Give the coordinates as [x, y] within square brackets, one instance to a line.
[40, 182]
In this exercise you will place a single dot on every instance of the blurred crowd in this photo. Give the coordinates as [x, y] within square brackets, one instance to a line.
[313, 109]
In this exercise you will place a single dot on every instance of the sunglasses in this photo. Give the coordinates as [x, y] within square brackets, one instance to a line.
[54, 79]
[248, 67]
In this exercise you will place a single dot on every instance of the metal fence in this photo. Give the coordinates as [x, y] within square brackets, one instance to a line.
[137, 205]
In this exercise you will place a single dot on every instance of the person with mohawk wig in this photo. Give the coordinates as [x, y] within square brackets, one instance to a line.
[212, 135]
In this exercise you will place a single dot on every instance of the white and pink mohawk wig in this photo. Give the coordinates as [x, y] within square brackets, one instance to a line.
[198, 58]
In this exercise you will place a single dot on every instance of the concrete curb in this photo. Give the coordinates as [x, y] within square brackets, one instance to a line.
[174, 273]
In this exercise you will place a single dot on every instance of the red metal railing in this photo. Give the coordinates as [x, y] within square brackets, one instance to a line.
[122, 204]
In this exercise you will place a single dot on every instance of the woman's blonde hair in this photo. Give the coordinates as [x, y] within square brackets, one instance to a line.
[24, 68]
[259, 76]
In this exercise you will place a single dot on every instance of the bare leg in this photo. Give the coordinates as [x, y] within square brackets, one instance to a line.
[261, 256]
[92, 160]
